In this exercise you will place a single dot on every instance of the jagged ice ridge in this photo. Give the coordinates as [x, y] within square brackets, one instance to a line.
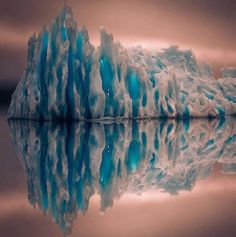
[67, 78]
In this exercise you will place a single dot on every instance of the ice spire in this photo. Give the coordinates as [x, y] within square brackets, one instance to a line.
[66, 78]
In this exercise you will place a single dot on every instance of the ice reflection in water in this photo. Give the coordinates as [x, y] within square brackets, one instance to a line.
[67, 163]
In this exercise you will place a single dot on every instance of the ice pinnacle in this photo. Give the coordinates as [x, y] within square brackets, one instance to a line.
[67, 78]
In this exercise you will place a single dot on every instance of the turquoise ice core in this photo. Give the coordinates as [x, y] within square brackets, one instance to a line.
[67, 78]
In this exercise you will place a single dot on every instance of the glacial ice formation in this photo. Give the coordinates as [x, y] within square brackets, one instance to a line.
[67, 163]
[67, 78]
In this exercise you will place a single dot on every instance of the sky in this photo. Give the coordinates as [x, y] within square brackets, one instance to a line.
[205, 26]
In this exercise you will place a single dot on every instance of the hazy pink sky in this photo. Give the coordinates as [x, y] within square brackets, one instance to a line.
[207, 27]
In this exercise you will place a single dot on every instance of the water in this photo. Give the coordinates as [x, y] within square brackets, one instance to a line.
[152, 178]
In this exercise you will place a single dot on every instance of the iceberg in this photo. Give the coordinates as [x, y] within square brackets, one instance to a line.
[66, 164]
[67, 78]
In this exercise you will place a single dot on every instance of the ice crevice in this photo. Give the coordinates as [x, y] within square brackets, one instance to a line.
[67, 78]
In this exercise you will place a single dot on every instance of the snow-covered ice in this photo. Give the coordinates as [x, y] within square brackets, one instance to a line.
[67, 78]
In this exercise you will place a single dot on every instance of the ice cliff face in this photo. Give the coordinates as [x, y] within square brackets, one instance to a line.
[67, 163]
[67, 78]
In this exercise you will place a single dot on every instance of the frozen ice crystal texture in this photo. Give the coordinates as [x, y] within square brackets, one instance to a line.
[67, 78]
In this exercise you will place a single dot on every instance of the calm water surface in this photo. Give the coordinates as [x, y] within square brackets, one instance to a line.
[153, 178]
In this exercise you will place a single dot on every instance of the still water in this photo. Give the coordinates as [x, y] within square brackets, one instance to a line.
[150, 178]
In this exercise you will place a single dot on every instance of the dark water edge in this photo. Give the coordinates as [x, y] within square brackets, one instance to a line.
[207, 210]
[5, 95]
